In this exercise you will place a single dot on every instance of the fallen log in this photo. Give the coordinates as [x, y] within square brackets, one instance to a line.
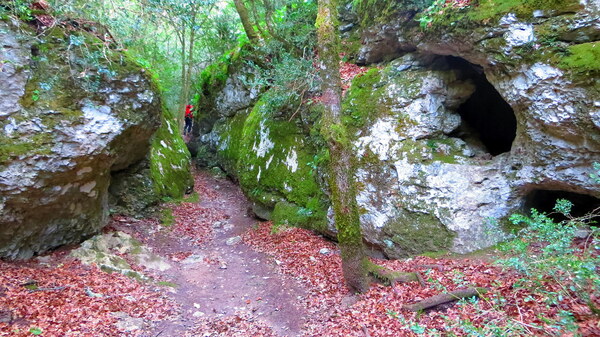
[445, 298]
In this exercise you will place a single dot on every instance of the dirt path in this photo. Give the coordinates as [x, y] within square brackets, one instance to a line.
[221, 278]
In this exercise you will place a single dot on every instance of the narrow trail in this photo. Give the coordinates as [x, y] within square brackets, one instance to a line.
[223, 277]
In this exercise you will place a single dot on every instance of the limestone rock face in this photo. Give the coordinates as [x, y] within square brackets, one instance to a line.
[461, 124]
[421, 187]
[69, 118]
[411, 197]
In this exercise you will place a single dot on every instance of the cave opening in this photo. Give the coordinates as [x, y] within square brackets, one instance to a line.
[544, 201]
[486, 117]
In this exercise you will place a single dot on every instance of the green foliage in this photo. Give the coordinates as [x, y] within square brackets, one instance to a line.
[438, 7]
[288, 77]
[288, 214]
[18, 8]
[150, 32]
[318, 161]
[596, 176]
[36, 331]
[373, 11]
[544, 252]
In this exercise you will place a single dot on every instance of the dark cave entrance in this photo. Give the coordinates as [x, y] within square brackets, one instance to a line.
[544, 201]
[486, 116]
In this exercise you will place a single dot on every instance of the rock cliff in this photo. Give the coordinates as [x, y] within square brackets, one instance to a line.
[468, 115]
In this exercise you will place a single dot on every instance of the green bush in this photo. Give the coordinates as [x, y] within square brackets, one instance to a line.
[544, 251]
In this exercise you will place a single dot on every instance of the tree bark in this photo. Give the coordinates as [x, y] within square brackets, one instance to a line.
[341, 166]
[269, 22]
[246, 22]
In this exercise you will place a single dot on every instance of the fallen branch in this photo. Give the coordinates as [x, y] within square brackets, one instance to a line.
[46, 289]
[445, 298]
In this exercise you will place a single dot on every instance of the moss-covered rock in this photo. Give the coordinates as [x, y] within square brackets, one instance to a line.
[538, 56]
[257, 144]
[583, 58]
[76, 114]
[170, 160]
[273, 166]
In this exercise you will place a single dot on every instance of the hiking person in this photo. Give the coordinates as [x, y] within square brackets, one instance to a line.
[189, 116]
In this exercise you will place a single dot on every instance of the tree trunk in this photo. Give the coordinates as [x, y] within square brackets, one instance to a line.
[269, 22]
[256, 18]
[187, 84]
[246, 22]
[341, 166]
[181, 113]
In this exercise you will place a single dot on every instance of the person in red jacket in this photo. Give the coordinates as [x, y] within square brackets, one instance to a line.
[189, 117]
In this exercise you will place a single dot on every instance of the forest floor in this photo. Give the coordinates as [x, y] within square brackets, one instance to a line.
[232, 275]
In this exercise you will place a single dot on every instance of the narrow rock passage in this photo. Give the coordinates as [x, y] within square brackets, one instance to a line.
[222, 277]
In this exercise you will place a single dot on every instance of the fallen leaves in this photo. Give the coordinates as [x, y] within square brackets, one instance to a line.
[238, 325]
[508, 310]
[348, 71]
[56, 296]
[57, 304]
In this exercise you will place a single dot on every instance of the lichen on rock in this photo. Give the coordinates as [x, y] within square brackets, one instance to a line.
[74, 118]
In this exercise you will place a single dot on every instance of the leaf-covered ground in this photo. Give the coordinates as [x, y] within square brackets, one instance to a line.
[61, 297]
[232, 275]
[508, 310]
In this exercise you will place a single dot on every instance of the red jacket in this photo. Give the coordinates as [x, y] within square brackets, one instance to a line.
[188, 111]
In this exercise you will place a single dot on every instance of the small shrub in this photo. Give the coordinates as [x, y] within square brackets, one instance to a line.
[544, 251]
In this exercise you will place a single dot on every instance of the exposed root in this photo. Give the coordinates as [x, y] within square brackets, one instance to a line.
[390, 277]
[446, 298]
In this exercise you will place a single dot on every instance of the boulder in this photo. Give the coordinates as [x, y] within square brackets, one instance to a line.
[73, 113]
[430, 188]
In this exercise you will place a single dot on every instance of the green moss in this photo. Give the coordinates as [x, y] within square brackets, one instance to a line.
[363, 102]
[414, 233]
[230, 133]
[288, 214]
[273, 162]
[166, 217]
[169, 160]
[435, 255]
[192, 198]
[38, 144]
[583, 57]
[167, 284]
[486, 11]
[524, 8]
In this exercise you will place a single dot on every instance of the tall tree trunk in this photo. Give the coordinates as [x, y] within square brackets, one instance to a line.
[256, 18]
[181, 113]
[269, 22]
[246, 22]
[341, 163]
[190, 58]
